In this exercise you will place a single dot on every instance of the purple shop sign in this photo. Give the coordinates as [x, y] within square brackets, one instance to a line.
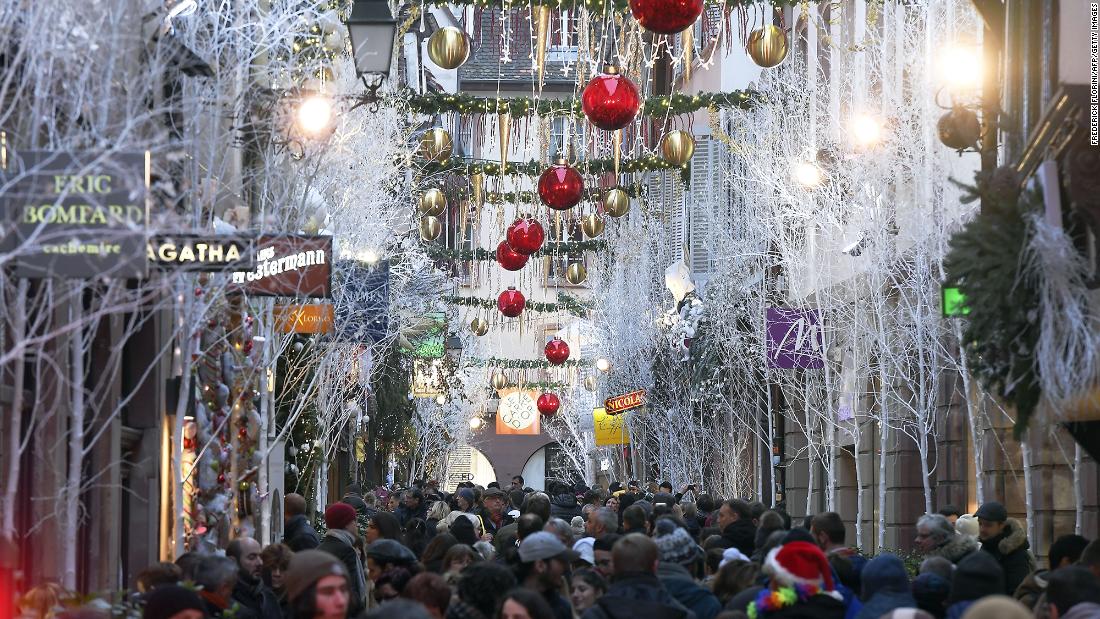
[794, 339]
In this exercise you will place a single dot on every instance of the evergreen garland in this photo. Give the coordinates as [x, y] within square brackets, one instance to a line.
[469, 167]
[526, 364]
[659, 106]
[437, 252]
[633, 190]
[566, 302]
[598, 6]
[985, 261]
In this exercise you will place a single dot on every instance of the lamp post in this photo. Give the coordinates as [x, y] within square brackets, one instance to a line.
[372, 29]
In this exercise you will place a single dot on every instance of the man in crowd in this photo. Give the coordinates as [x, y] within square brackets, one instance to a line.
[950, 512]
[1073, 593]
[256, 599]
[340, 541]
[679, 554]
[601, 522]
[1065, 551]
[635, 589]
[1005, 539]
[937, 538]
[413, 507]
[544, 561]
[602, 554]
[354, 496]
[217, 576]
[517, 482]
[492, 511]
[635, 520]
[829, 532]
[735, 522]
[298, 533]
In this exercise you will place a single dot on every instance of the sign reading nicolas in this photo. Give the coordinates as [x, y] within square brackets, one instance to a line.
[617, 404]
[289, 265]
[76, 214]
[191, 252]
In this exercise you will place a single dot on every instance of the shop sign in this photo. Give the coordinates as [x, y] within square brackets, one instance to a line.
[795, 339]
[316, 319]
[610, 429]
[954, 303]
[289, 266]
[78, 215]
[625, 402]
[517, 412]
[192, 252]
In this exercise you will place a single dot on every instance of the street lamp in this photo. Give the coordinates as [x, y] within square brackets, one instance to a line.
[372, 29]
[453, 348]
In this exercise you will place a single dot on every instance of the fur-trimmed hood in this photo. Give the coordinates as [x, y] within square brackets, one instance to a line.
[956, 548]
[1015, 537]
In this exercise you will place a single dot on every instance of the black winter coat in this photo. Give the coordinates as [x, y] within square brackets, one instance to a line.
[564, 506]
[740, 535]
[256, 600]
[300, 535]
[639, 596]
[1010, 549]
[817, 607]
[349, 557]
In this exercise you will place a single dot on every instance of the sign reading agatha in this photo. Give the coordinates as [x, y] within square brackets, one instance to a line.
[190, 252]
[795, 339]
[289, 266]
[76, 214]
[625, 402]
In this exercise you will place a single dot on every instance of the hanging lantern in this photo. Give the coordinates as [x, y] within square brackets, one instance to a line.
[590, 383]
[561, 187]
[511, 302]
[677, 147]
[666, 16]
[433, 202]
[435, 145]
[498, 381]
[556, 351]
[615, 202]
[479, 326]
[548, 404]
[509, 259]
[592, 224]
[767, 46]
[576, 274]
[525, 236]
[448, 47]
[610, 100]
[959, 128]
[430, 227]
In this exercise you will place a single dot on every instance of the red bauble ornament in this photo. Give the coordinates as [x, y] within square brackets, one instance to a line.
[508, 258]
[666, 16]
[561, 187]
[525, 236]
[548, 404]
[610, 100]
[221, 478]
[511, 302]
[557, 351]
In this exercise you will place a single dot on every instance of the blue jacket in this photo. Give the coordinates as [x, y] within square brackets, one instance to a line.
[885, 587]
[683, 588]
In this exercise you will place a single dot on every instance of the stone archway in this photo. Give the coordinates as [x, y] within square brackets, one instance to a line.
[508, 454]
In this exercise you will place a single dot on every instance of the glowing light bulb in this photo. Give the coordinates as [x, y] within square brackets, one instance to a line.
[441, 399]
[807, 174]
[866, 130]
[475, 423]
[370, 256]
[961, 67]
[315, 114]
[603, 365]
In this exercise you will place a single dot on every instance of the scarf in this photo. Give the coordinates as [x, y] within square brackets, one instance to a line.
[768, 601]
[359, 575]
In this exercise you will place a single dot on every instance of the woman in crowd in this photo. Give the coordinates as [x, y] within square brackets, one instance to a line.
[587, 587]
[383, 525]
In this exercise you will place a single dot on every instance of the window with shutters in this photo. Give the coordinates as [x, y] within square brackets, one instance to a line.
[562, 46]
[666, 194]
[707, 194]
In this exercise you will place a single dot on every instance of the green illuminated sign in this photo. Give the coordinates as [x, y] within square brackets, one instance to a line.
[954, 303]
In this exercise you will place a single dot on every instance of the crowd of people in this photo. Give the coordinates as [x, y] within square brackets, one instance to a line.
[621, 553]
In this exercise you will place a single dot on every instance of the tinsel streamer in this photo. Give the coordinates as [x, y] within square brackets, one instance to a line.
[504, 129]
[1068, 352]
[542, 17]
[618, 151]
[687, 39]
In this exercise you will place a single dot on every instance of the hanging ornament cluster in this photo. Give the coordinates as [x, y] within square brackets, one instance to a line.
[436, 145]
[556, 351]
[511, 302]
[479, 326]
[498, 381]
[430, 228]
[576, 274]
[449, 47]
[677, 147]
[509, 259]
[767, 46]
[561, 187]
[615, 202]
[666, 16]
[610, 100]
[548, 404]
[433, 202]
[525, 236]
[592, 225]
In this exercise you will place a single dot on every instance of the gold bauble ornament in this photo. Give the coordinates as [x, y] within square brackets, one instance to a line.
[435, 145]
[959, 128]
[615, 202]
[449, 47]
[498, 381]
[576, 273]
[592, 225]
[479, 326]
[590, 383]
[430, 227]
[677, 147]
[433, 202]
[767, 46]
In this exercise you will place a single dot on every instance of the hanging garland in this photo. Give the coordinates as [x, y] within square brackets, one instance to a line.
[566, 302]
[599, 6]
[549, 249]
[526, 364]
[469, 167]
[633, 190]
[660, 106]
[984, 261]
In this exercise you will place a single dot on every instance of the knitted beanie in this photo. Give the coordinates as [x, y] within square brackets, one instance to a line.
[309, 566]
[678, 547]
[339, 515]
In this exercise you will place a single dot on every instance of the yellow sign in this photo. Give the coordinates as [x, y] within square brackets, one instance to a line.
[610, 429]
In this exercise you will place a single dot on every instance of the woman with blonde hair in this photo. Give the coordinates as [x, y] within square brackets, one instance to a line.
[437, 511]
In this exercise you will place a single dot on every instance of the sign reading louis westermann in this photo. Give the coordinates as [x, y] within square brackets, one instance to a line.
[289, 265]
[78, 215]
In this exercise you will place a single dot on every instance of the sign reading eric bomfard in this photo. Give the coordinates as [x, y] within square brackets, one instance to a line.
[78, 215]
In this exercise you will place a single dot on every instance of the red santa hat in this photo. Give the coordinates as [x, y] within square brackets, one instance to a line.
[801, 563]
